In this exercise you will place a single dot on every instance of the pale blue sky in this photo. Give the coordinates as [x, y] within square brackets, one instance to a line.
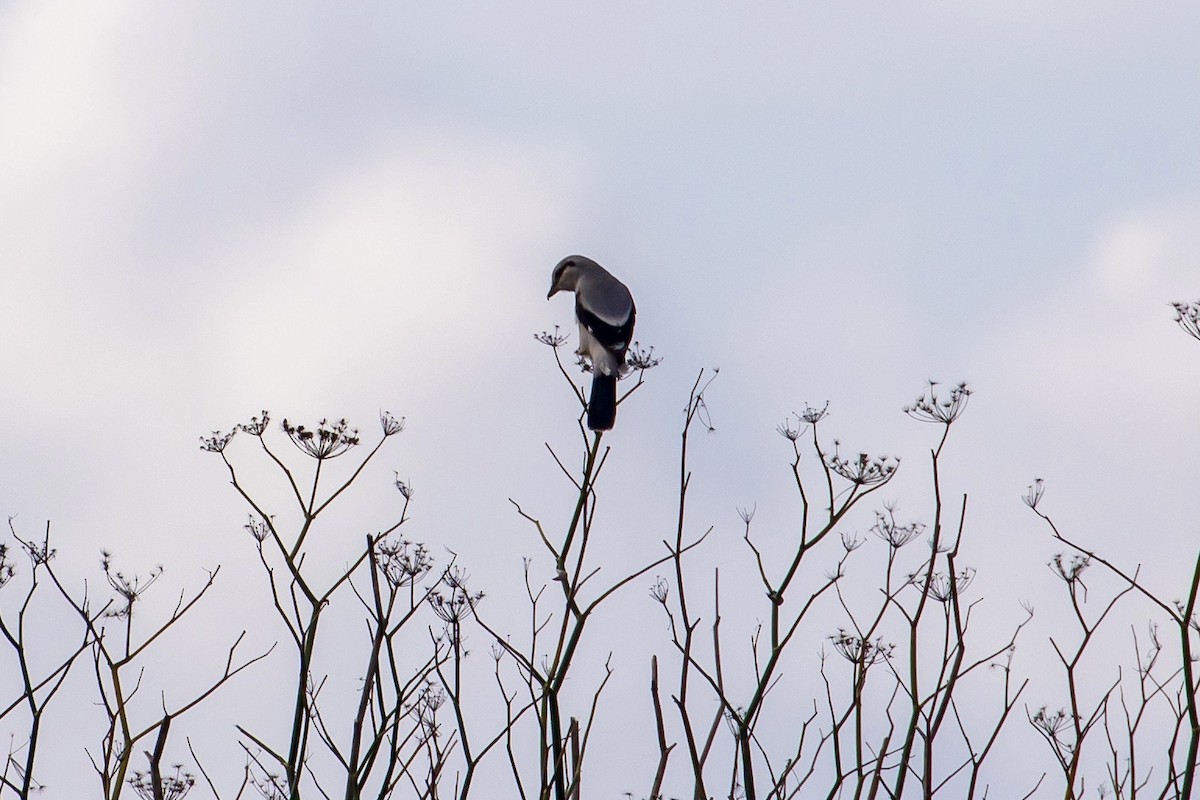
[208, 209]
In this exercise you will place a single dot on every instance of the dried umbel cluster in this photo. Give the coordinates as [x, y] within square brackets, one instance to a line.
[7, 568]
[793, 429]
[929, 407]
[329, 440]
[860, 650]
[1187, 315]
[895, 534]
[863, 469]
[173, 786]
[403, 563]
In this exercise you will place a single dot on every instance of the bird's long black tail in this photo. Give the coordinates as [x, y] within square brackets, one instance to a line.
[602, 407]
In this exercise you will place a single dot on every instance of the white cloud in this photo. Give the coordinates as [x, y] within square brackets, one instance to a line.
[416, 258]
[1091, 386]
[1149, 252]
[59, 88]
[1107, 333]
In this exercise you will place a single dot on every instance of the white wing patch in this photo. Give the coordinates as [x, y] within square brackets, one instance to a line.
[601, 357]
[616, 320]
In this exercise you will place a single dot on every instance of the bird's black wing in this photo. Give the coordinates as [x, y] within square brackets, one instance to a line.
[615, 337]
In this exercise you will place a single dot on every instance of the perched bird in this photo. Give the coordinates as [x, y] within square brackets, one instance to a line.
[605, 312]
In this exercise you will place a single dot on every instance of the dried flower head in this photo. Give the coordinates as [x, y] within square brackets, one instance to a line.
[1034, 492]
[1187, 315]
[864, 469]
[1069, 570]
[128, 588]
[40, 552]
[931, 408]
[257, 426]
[268, 784]
[810, 416]
[896, 535]
[859, 650]
[258, 527]
[329, 440]
[555, 340]
[7, 568]
[391, 426]
[1050, 724]
[788, 431]
[170, 787]
[455, 602]
[402, 562]
[639, 360]
[584, 364]
[403, 487]
[814, 415]
[424, 709]
[940, 586]
[217, 442]
[660, 590]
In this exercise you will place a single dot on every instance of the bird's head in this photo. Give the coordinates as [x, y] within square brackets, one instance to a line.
[566, 274]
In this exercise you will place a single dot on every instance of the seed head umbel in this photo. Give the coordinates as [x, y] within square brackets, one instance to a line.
[1050, 723]
[403, 562]
[455, 602]
[258, 527]
[896, 535]
[391, 426]
[814, 415]
[810, 416]
[788, 431]
[7, 568]
[941, 586]
[555, 340]
[864, 469]
[329, 440]
[929, 407]
[1034, 492]
[639, 359]
[859, 650]
[257, 426]
[41, 553]
[1187, 316]
[660, 590]
[129, 588]
[217, 442]
[174, 786]
[1071, 569]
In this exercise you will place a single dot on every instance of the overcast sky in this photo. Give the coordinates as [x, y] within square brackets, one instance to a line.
[207, 209]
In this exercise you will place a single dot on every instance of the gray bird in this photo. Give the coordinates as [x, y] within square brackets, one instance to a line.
[605, 312]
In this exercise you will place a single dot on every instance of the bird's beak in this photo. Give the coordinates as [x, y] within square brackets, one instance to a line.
[553, 291]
